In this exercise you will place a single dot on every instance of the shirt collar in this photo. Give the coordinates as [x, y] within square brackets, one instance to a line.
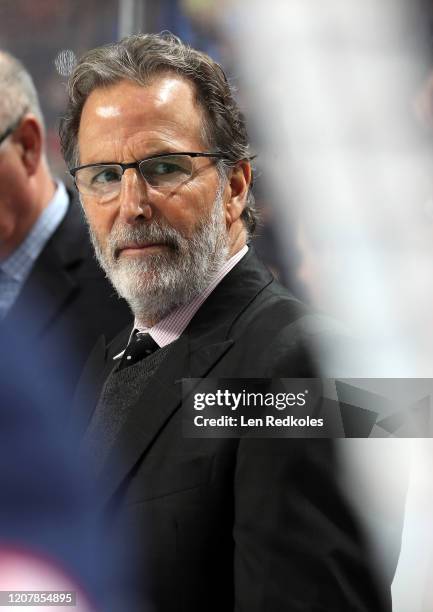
[22, 258]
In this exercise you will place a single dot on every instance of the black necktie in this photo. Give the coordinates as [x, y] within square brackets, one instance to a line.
[141, 346]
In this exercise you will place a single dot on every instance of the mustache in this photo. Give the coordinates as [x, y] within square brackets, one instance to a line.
[155, 233]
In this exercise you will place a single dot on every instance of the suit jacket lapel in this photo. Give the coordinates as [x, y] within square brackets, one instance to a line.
[149, 416]
[99, 365]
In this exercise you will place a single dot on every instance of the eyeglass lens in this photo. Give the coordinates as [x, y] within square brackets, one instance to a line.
[104, 180]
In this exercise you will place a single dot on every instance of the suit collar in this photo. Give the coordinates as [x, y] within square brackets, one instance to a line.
[19, 263]
[227, 302]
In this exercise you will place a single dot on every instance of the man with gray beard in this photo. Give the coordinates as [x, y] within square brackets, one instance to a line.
[159, 152]
[156, 285]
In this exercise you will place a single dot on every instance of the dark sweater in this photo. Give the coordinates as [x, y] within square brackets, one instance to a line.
[121, 391]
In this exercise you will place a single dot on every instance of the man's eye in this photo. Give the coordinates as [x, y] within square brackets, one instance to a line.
[163, 168]
[108, 175]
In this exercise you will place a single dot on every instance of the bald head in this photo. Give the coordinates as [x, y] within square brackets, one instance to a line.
[18, 91]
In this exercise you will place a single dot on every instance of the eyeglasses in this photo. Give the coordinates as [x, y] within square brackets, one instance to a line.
[11, 129]
[162, 172]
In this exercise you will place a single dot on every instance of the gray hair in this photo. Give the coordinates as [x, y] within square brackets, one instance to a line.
[138, 58]
[18, 92]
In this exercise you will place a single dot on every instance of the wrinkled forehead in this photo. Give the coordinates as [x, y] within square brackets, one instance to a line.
[167, 98]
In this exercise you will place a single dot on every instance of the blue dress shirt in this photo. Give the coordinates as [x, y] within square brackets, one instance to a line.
[16, 268]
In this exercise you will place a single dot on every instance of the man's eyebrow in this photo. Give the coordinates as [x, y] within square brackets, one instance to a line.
[164, 151]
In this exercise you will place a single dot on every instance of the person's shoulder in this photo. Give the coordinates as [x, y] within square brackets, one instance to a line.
[73, 224]
[278, 323]
[73, 247]
[277, 307]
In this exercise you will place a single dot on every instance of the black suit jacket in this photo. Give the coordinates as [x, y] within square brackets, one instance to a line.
[233, 524]
[66, 303]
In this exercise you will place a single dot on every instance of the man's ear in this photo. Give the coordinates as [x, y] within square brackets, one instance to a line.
[30, 139]
[239, 181]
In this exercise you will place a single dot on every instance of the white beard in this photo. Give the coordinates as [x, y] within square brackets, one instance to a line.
[156, 284]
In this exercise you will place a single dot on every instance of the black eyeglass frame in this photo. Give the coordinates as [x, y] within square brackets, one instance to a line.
[136, 165]
[11, 129]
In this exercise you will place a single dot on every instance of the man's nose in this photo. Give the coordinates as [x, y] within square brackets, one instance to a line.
[134, 198]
